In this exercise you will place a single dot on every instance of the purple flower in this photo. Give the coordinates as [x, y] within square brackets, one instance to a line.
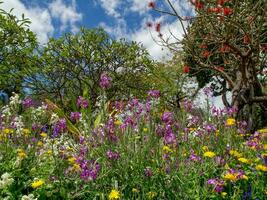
[154, 93]
[81, 140]
[194, 157]
[217, 184]
[112, 155]
[219, 161]
[75, 116]
[231, 111]
[210, 128]
[167, 117]
[148, 172]
[59, 127]
[27, 103]
[81, 102]
[105, 81]
[169, 137]
[188, 105]
[160, 131]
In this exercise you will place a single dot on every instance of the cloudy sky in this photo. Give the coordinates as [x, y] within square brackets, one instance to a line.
[120, 18]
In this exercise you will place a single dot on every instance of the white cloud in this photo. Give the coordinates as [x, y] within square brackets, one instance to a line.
[118, 31]
[41, 22]
[140, 6]
[150, 38]
[67, 15]
[110, 7]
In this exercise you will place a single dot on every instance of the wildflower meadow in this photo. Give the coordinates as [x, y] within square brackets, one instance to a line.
[89, 117]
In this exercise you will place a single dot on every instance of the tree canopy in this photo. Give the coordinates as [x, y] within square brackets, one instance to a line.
[17, 45]
[72, 65]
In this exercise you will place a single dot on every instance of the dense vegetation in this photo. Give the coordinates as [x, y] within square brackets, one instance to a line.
[90, 117]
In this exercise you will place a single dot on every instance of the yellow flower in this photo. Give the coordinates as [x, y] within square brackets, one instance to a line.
[26, 131]
[114, 194]
[261, 168]
[205, 148]
[7, 131]
[37, 183]
[117, 122]
[145, 129]
[21, 153]
[223, 194]
[209, 154]
[134, 190]
[231, 177]
[235, 153]
[76, 167]
[230, 122]
[39, 143]
[151, 195]
[167, 149]
[262, 130]
[265, 146]
[244, 160]
[69, 149]
[43, 134]
[192, 129]
[49, 152]
[72, 160]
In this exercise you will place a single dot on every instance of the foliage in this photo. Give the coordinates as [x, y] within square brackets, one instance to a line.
[72, 66]
[17, 44]
[226, 43]
[174, 85]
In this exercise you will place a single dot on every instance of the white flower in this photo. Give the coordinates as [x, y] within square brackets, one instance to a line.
[6, 180]
[54, 118]
[5, 176]
[14, 100]
[28, 197]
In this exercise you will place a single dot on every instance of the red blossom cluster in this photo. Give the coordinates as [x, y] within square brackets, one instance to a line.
[186, 69]
[198, 4]
[157, 27]
[246, 39]
[206, 54]
[203, 46]
[151, 4]
[226, 10]
[221, 68]
[224, 49]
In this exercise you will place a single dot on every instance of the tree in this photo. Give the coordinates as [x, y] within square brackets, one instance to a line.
[226, 41]
[17, 44]
[71, 66]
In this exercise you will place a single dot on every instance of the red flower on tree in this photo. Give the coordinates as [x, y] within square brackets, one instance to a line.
[246, 39]
[206, 54]
[227, 11]
[214, 10]
[220, 2]
[203, 46]
[151, 4]
[186, 69]
[221, 68]
[157, 27]
[198, 4]
[224, 49]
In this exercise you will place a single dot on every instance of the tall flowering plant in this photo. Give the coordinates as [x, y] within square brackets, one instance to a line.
[230, 50]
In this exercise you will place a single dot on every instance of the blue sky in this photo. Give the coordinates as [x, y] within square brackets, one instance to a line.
[120, 18]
